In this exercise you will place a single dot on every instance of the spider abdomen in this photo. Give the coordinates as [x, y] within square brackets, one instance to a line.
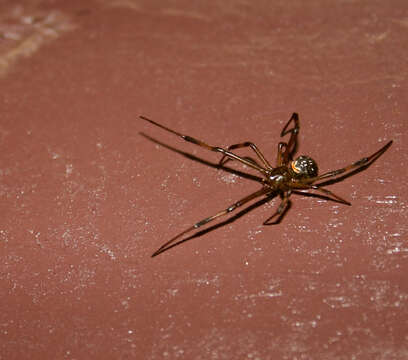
[304, 167]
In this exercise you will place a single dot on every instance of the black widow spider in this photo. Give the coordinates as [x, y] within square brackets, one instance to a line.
[286, 177]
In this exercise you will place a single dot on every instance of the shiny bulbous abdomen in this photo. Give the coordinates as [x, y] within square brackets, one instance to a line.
[304, 167]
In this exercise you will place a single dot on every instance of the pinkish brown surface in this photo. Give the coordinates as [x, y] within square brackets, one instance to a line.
[86, 198]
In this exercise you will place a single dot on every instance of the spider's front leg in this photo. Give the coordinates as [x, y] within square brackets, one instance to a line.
[258, 152]
[204, 145]
[172, 242]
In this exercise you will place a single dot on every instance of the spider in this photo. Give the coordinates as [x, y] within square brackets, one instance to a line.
[286, 177]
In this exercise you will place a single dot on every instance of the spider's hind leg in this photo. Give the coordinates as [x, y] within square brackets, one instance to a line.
[295, 129]
[291, 145]
[362, 164]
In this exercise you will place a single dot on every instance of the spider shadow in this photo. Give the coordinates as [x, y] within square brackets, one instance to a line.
[202, 161]
[241, 213]
[218, 167]
[220, 224]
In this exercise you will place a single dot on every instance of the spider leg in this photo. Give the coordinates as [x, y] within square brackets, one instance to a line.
[330, 194]
[364, 162]
[253, 147]
[300, 185]
[282, 146]
[248, 158]
[281, 210]
[209, 147]
[291, 145]
[213, 217]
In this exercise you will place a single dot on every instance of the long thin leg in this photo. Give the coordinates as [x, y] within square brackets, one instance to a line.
[281, 150]
[213, 217]
[330, 194]
[366, 161]
[282, 208]
[302, 186]
[208, 147]
[248, 158]
[253, 147]
[292, 143]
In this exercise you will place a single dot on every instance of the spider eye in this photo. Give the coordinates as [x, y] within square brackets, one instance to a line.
[304, 166]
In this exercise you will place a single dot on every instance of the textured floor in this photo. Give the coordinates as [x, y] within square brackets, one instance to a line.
[88, 190]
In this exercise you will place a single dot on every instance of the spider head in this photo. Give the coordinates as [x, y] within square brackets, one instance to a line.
[304, 167]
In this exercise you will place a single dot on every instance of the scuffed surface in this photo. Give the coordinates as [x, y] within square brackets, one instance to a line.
[25, 27]
[85, 198]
